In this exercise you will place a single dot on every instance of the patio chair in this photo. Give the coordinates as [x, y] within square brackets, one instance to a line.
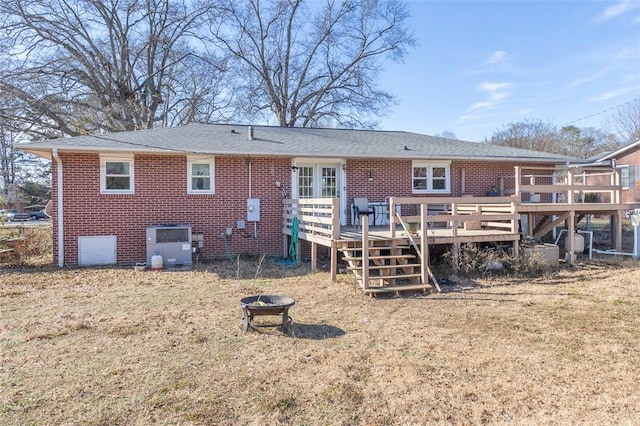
[360, 208]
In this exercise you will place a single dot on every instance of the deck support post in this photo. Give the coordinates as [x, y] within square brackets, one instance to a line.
[424, 246]
[314, 256]
[616, 231]
[285, 246]
[364, 222]
[571, 224]
[334, 260]
[425, 271]
[456, 248]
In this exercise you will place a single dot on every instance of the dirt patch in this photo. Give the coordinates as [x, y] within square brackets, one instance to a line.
[116, 346]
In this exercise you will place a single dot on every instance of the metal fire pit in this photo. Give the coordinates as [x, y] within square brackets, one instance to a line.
[253, 306]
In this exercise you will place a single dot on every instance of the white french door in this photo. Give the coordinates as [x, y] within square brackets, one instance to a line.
[317, 180]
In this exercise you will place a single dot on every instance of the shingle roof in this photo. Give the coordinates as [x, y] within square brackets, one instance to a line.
[227, 139]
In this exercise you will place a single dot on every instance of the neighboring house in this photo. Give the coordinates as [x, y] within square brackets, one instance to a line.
[228, 181]
[627, 160]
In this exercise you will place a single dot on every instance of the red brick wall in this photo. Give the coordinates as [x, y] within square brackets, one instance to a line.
[161, 198]
[630, 195]
[393, 178]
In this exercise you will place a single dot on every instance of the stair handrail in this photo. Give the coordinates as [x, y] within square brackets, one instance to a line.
[410, 237]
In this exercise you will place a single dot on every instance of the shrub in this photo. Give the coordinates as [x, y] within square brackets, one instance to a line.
[532, 264]
[473, 261]
[38, 242]
[32, 246]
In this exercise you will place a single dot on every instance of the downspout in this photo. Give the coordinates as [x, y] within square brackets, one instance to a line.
[60, 215]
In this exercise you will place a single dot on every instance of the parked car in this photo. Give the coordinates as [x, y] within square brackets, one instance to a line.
[13, 215]
[40, 214]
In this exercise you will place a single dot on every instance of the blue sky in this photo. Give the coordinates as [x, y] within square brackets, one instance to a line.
[480, 65]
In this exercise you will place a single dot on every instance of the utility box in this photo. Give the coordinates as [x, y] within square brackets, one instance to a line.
[172, 242]
[253, 210]
[635, 221]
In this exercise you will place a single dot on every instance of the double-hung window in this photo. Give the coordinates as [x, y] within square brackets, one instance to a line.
[626, 177]
[431, 177]
[200, 175]
[116, 174]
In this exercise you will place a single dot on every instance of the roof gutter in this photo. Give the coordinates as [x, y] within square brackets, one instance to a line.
[60, 223]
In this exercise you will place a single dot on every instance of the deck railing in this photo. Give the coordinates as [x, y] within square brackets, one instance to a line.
[569, 184]
[454, 213]
[318, 218]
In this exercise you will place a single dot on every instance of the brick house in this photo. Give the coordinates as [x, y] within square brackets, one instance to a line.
[627, 160]
[227, 182]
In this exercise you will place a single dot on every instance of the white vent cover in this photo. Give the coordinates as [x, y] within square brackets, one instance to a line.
[97, 250]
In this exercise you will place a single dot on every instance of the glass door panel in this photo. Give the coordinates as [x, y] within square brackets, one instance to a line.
[329, 182]
[305, 182]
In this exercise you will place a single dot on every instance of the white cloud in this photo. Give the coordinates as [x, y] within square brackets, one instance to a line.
[588, 79]
[480, 105]
[620, 8]
[614, 93]
[496, 57]
[605, 96]
[495, 92]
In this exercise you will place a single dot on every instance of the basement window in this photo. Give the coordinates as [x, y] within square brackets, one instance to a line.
[200, 175]
[116, 174]
[431, 177]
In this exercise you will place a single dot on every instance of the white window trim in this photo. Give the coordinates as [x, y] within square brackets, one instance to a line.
[628, 179]
[103, 173]
[196, 159]
[429, 165]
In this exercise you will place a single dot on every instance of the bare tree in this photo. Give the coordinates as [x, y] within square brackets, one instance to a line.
[542, 136]
[447, 134]
[535, 135]
[20, 170]
[311, 64]
[7, 157]
[81, 66]
[627, 121]
[586, 142]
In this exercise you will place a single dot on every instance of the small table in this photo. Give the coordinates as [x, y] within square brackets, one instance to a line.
[265, 305]
[381, 215]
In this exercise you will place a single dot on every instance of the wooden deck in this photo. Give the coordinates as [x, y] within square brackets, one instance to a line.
[385, 263]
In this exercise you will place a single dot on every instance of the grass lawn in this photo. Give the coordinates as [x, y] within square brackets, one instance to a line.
[116, 346]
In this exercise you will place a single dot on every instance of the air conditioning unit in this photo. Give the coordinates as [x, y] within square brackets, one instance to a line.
[172, 242]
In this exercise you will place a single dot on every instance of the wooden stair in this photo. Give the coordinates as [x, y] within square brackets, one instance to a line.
[390, 267]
